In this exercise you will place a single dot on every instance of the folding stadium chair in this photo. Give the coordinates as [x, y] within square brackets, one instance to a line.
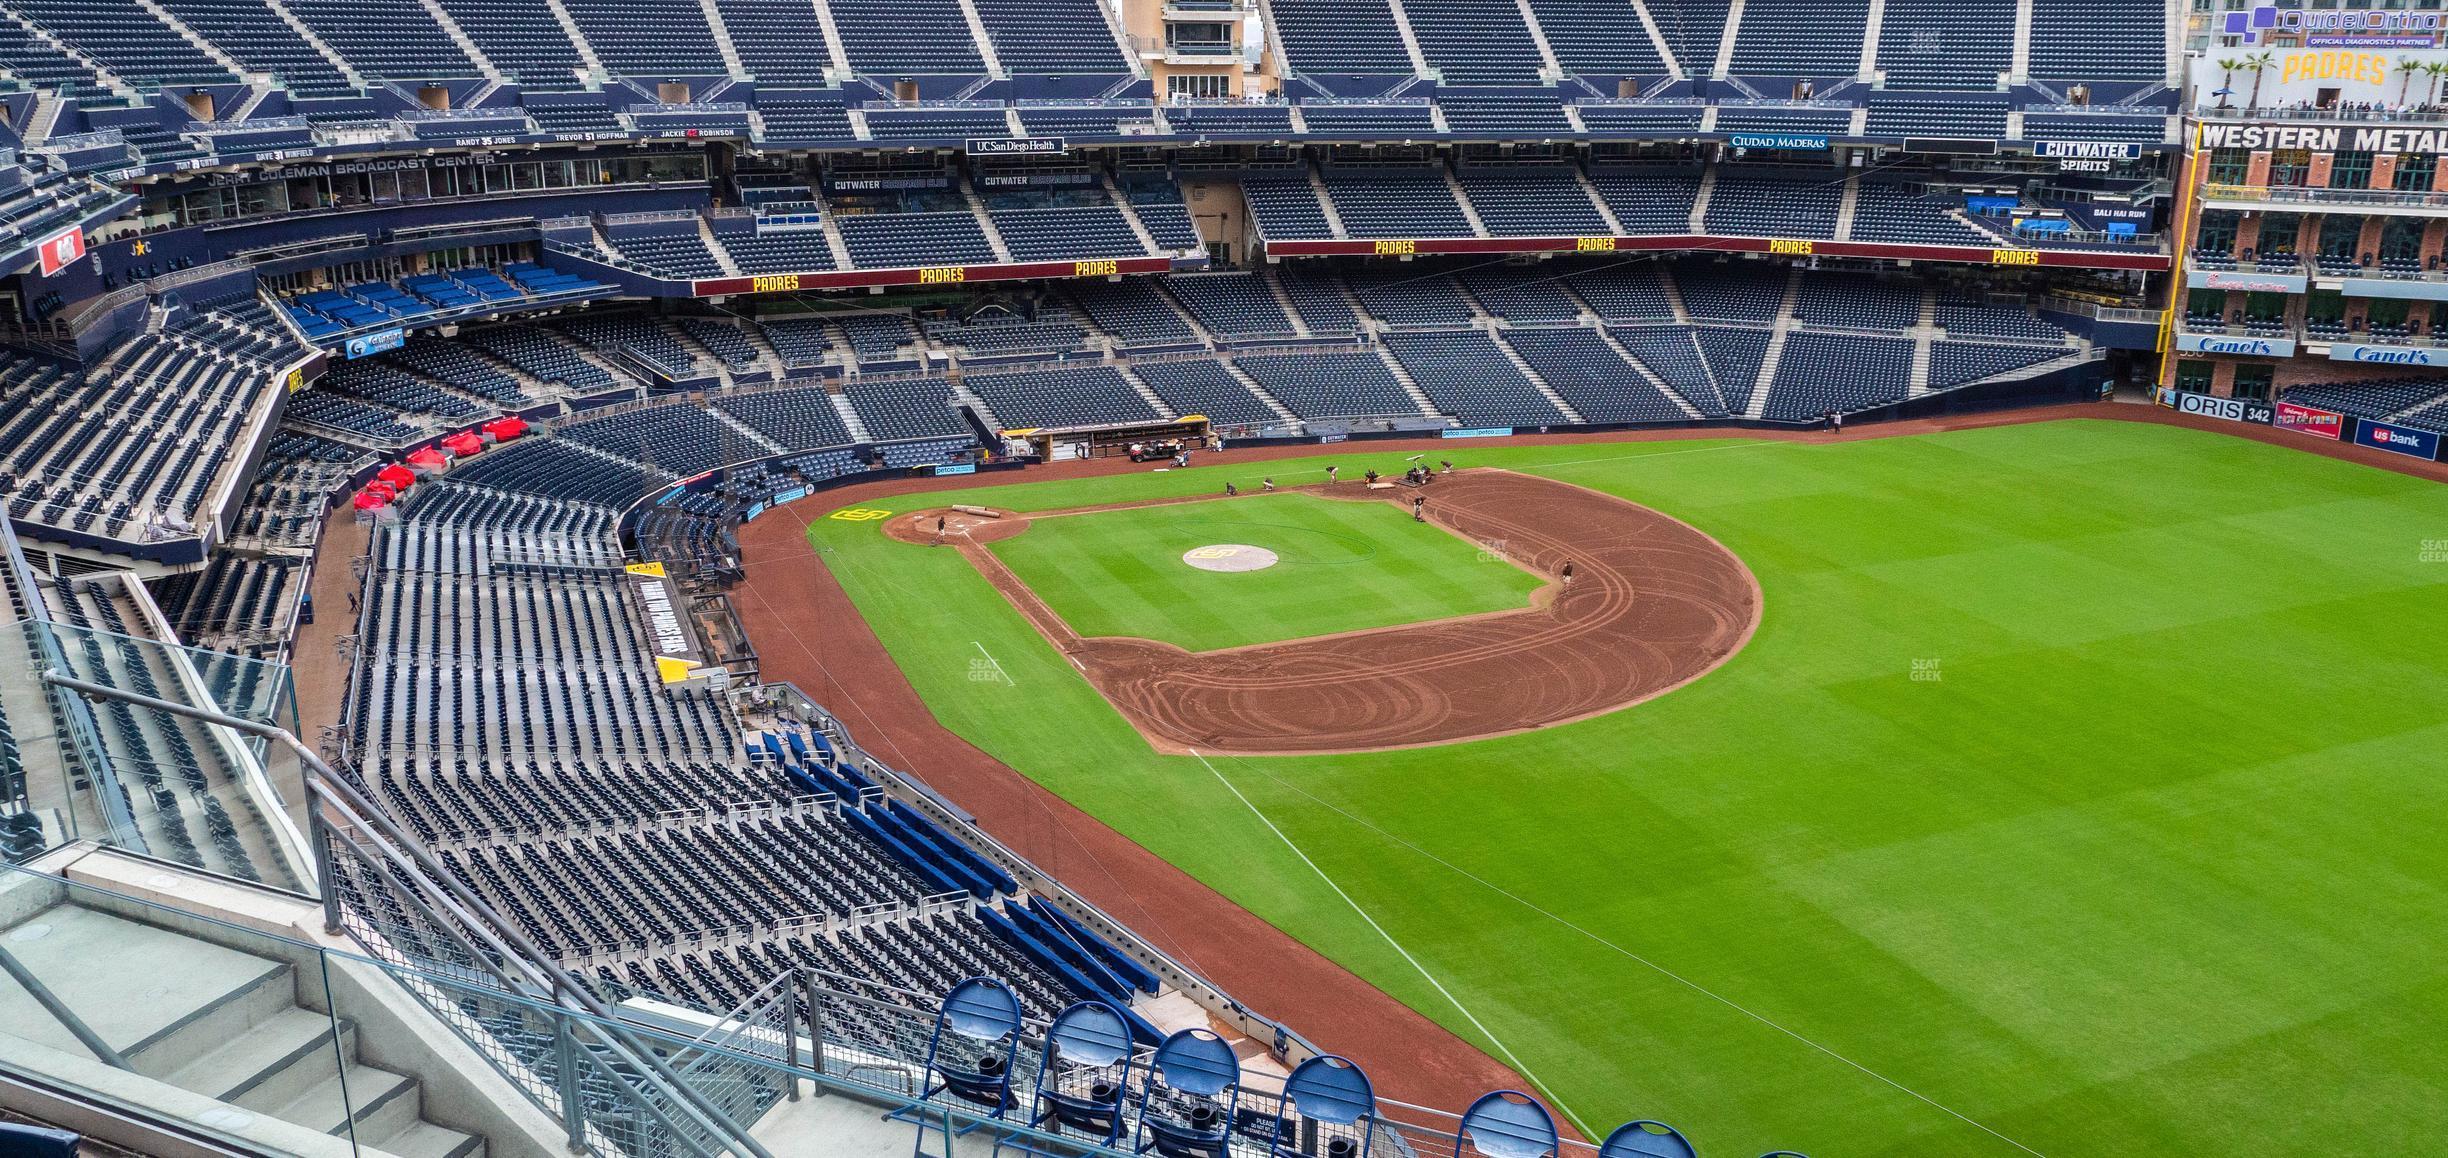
[1083, 1075]
[980, 1018]
[1646, 1139]
[1186, 1106]
[1338, 1111]
[1506, 1124]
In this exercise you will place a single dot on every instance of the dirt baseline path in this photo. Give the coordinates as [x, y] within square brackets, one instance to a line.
[1653, 605]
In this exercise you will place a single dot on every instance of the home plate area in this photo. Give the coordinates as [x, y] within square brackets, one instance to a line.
[1229, 557]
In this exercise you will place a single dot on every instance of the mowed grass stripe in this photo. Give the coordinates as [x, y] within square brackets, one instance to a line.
[2150, 868]
[1343, 566]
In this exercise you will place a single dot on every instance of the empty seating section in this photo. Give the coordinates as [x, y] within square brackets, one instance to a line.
[802, 419]
[1134, 311]
[1736, 118]
[723, 340]
[524, 40]
[1781, 206]
[1734, 292]
[140, 436]
[1537, 294]
[1320, 302]
[805, 121]
[1330, 385]
[1945, 44]
[1233, 305]
[1953, 115]
[1052, 36]
[649, 37]
[780, 42]
[936, 124]
[36, 62]
[1205, 387]
[1649, 201]
[1734, 358]
[878, 336]
[2419, 402]
[2147, 126]
[887, 240]
[680, 440]
[1087, 396]
[1694, 30]
[251, 32]
[1579, 365]
[1820, 374]
[1468, 376]
[461, 369]
[1963, 317]
[543, 356]
[1368, 120]
[1504, 115]
[1472, 42]
[1341, 36]
[1286, 207]
[1228, 120]
[1884, 212]
[776, 251]
[1396, 201]
[1675, 356]
[1959, 363]
[1620, 295]
[1068, 233]
[998, 333]
[556, 469]
[674, 250]
[639, 338]
[236, 604]
[896, 37]
[1634, 121]
[390, 39]
[906, 410]
[1167, 220]
[1856, 302]
[1532, 201]
[1598, 39]
[1814, 38]
[127, 40]
[2097, 40]
[1406, 298]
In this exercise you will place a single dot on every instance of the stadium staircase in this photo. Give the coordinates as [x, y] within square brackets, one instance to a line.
[450, 28]
[1538, 380]
[1872, 22]
[1698, 222]
[2021, 68]
[1146, 395]
[1130, 216]
[850, 419]
[1782, 329]
[596, 72]
[1551, 69]
[985, 43]
[1674, 296]
[985, 220]
[1846, 203]
[1251, 384]
[1723, 67]
[1409, 384]
[1642, 369]
[1317, 187]
[722, 39]
[1470, 212]
[714, 245]
[1598, 201]
[206, 1031]
[192, 37]
[1283, 298]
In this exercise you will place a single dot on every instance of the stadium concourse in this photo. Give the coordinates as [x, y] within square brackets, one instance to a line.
[406, 407]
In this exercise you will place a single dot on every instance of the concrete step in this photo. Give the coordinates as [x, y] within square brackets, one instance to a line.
[277, 1061]
[385, 1103]
[160, 999]
[426, 1140]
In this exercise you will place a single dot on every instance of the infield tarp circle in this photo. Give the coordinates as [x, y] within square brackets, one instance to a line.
[1229, 557]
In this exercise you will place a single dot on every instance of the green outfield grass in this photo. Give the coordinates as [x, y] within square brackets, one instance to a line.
[2085, 781]
[1343, 566]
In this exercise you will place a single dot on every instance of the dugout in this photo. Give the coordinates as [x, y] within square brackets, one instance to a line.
[1053, 444]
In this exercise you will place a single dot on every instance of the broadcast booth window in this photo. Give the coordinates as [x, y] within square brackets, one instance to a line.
[2252, 381]
[2193, 375]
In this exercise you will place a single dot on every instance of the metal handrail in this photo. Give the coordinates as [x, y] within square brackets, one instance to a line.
[515, 960]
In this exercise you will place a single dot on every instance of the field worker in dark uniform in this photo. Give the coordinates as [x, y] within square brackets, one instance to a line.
[1330, 474]
[1419, 509]
[1269, 482]
[1567, 573]
[1231, 490]
[939, 530]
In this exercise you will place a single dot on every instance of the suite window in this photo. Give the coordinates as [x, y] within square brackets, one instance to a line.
[2228, 166]
[2351, 170]
[2414, 171]
[2193, 374]
[2252, 380]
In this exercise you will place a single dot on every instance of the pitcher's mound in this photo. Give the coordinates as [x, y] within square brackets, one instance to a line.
[1229, 557]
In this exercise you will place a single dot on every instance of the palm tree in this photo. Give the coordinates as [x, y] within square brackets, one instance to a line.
[2435, 70]
[2407, 66]
[2259, 62]
[2227, 71]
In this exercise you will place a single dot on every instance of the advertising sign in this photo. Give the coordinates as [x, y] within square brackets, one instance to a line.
[2235, 279]
[62, 249]
[2387, 355]
[377, 342]
[2093, 150]
[1014, 146]
[2213, 406]
[668, 634]
[1478, 432]
[2395, 439]
[2226, 344]
[1776, 141]
[955, 468]
[2318, 423]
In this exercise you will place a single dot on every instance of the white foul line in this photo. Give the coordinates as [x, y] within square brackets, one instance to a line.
[1481, 1026]
[1670, 974]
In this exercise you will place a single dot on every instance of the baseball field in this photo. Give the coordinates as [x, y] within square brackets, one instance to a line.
[2079, 792]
